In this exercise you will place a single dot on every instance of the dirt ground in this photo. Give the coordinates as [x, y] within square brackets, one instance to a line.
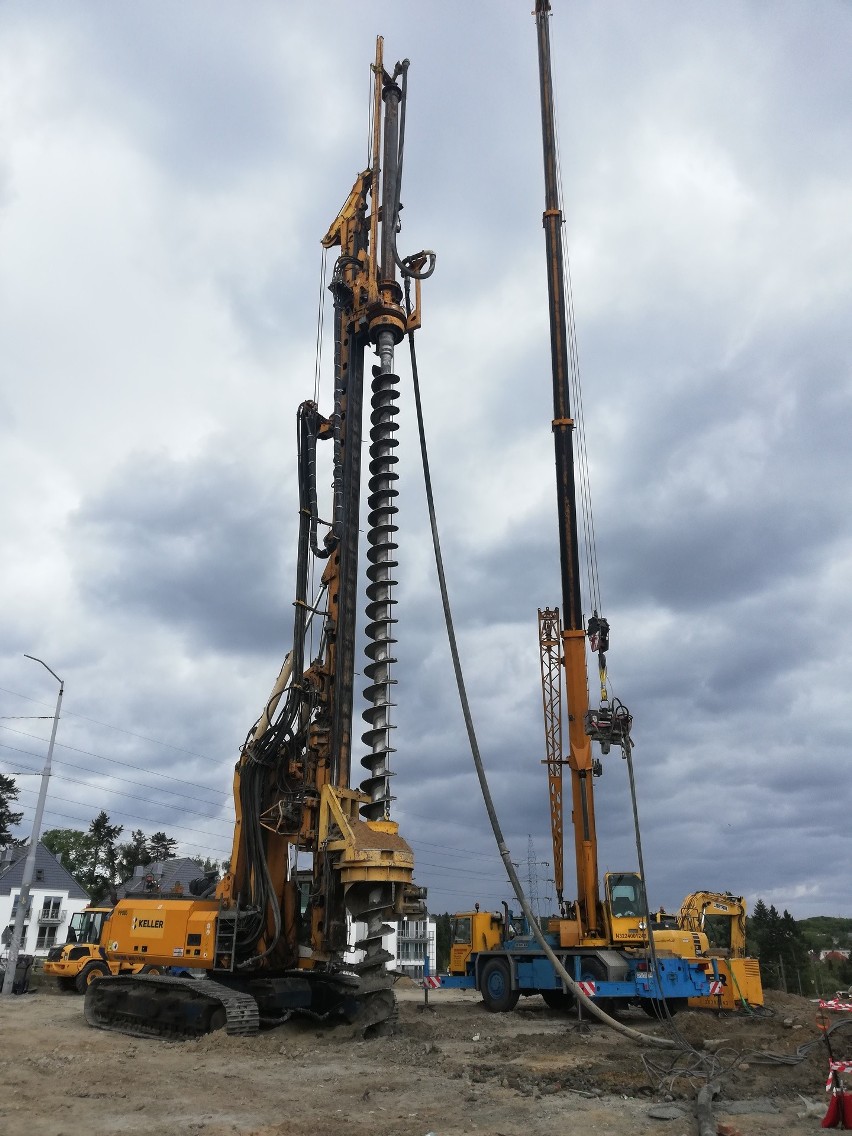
[451, 1069]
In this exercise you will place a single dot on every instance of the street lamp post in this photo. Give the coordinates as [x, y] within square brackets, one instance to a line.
[29, 865]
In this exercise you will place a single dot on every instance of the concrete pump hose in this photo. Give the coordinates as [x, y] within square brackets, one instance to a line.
[586, 1002]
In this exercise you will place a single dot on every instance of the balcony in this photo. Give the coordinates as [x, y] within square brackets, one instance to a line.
[51, 918]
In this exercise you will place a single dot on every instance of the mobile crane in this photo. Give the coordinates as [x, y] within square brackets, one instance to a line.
[602, 943]
[265, 953]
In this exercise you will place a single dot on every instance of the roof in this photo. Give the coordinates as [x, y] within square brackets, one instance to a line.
[163, 875]
[55, 876]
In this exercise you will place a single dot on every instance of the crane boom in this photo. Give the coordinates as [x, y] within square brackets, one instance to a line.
[573, 634]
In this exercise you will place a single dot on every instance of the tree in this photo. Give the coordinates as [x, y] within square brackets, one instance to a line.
[72, 847]
[134, 854]
[162, 847]
[442, 941]
[98, 862]
[779, 944]
[207, 865]
[8, 819]
[103, 864]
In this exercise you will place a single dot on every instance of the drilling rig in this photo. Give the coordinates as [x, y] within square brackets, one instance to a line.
[269, 948]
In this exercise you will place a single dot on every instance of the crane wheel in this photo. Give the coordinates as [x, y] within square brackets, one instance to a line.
[88, 974]
[495, 985]
[593, 970]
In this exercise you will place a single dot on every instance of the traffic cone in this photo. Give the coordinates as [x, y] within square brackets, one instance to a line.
[839, 1113]
[833, 1118]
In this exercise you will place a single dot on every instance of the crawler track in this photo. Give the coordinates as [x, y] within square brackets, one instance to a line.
[175, 1009]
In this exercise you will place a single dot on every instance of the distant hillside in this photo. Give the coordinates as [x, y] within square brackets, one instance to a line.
[822, 932]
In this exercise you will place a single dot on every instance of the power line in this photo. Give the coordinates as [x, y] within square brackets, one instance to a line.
[100, 773]
[212, 816]
[108, 726]
[449, 848]
[122, 793]
[450, 891]
[120, 813]
[461, 871]
[189, 844]
[114, 760]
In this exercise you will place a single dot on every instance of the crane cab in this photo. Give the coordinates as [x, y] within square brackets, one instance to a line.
[471, 932]
[625, 908]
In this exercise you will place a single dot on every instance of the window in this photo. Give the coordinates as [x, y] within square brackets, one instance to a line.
[51, 907]
[461, 928]
[39, 875]
[6, 937]
[626, 896]
[86, 927]
[15, 903]
[412, 929]
[46, 937]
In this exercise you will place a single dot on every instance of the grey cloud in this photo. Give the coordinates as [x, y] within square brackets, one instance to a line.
[197, 544]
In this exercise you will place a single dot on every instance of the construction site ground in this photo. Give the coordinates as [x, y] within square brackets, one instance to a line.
[450, 1069]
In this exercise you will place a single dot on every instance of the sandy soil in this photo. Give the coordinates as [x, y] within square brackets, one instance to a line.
[451, 1069]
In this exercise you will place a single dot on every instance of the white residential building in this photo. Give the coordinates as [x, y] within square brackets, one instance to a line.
[54, 897]
[408, 943]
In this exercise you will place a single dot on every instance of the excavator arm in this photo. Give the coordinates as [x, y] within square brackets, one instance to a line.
[701, 908]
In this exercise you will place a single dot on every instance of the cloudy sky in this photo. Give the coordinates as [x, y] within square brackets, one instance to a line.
[166, 174]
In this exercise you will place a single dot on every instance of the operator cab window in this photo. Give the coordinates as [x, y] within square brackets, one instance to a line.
[625, 896]
[461, 931]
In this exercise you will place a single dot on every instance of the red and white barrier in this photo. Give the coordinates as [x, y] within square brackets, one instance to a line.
[836, 1067]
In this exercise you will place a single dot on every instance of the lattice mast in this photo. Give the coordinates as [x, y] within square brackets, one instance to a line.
[550, 648]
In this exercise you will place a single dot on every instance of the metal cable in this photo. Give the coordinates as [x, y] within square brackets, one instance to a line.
[587, 513]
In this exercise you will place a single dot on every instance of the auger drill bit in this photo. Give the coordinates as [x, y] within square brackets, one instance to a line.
[380, 553]
[373, 903]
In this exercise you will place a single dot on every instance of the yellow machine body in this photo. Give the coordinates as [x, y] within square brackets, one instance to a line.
[84, 957]
[163, 932]
[472, 931]
[741, 983]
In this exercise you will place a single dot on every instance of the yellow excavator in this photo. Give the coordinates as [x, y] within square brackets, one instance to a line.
[267, 953]
[721, 918]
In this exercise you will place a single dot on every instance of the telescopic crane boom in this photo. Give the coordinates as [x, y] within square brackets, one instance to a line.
[573, 633]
